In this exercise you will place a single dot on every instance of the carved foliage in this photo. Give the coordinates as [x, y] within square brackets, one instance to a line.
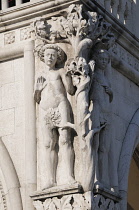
[77, 202]
[101, 203]
[79, 28]
[25, 33]
[9, 38]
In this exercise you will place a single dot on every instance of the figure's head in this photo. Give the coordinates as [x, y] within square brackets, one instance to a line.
[40, 26]
[52, 55]
[102, 58]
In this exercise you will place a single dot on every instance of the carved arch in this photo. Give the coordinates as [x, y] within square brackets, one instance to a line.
[11, 178]
[130, 142]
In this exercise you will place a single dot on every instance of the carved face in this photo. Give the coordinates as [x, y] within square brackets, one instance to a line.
[50, 57]
[41, 28]
[102, 60]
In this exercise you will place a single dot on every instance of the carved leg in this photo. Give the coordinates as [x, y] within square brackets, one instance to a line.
[66, 158]
[96, 139]
[104, 148]
[50, 140]
[66, 154]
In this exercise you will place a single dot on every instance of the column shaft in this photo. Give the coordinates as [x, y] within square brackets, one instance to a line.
[4, 4]
[30, 124]
[18, 2]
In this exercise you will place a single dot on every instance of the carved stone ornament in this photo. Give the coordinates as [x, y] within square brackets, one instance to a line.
[74, 97]
[9, 38]
[25, 33]
[77, 201]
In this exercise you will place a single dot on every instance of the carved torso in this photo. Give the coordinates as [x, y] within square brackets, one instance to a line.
[100, 96]
[54, 91]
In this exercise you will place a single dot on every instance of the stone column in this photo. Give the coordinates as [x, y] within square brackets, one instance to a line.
[4, 4]
[18, 2]
[30, 125]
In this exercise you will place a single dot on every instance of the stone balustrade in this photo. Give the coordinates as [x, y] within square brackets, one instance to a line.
[11, 3]
[121, 9]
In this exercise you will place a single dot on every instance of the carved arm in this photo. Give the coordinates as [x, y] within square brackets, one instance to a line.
[108, 90]
[67, 81]
[39, 86]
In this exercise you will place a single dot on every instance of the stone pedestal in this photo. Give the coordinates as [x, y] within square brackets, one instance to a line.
[72, 197]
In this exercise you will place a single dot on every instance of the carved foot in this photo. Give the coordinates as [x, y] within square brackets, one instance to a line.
[71, 180]
[50, 185]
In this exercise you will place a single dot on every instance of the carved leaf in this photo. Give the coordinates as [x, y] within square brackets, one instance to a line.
[57, 203]
[47, 203]
[107, 202]
[52, 206]
[79, 202]
[66, 203]
[87, 197]
[38, 205]
[117, 206]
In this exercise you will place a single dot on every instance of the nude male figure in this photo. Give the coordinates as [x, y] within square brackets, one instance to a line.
[51, 95]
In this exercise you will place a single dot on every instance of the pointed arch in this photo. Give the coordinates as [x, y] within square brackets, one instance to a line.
[130, 142]
[11, 178]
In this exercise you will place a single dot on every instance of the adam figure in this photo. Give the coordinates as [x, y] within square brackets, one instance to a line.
[51, 94]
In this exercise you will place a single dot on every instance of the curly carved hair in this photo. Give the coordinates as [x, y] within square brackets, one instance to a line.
[60, 53]
[101, 52]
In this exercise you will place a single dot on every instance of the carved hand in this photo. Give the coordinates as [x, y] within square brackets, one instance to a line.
[109, 92]
[40, 83]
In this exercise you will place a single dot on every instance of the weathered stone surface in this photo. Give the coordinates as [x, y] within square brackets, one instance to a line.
[12, 95]
[6, 72]
[7, 120]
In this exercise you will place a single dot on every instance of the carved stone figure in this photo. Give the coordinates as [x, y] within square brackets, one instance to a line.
[82, 32]
[50, 94]
[102, 97]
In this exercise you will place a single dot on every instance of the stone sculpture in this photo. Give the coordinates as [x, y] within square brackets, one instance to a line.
[102, 97]
[50, 94]
[74, 97]
[83, 77]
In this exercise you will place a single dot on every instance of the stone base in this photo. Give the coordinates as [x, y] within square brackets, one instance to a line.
[73, 198]
[57, 191]
[106, 193]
